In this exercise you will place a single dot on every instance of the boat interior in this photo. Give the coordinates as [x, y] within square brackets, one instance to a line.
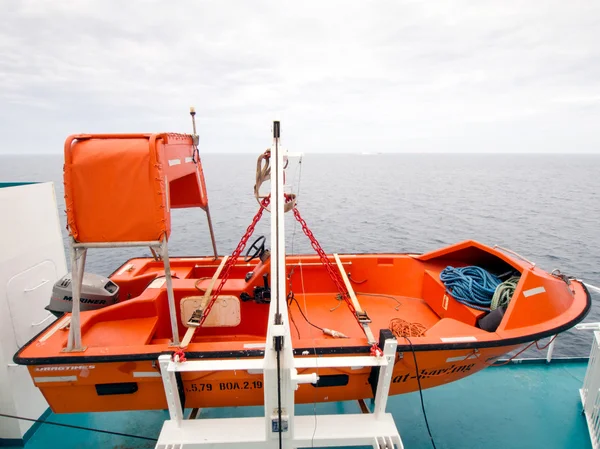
[389, 287]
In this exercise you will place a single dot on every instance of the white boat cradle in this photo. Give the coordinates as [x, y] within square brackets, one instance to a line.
[280, 428]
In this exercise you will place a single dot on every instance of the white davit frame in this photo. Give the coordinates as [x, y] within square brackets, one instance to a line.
[281, 378]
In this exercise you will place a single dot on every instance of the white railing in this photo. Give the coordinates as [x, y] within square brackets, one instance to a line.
[590, 392]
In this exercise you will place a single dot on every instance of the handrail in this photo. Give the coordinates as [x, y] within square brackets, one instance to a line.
[510, 251]
[588, 285]
[44, 282]
[588, 326]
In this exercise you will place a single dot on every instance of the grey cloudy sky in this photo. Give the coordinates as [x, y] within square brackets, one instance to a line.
[343, 76]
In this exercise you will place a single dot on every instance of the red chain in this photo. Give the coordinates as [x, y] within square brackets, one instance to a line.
[234, 257]
[376, 351]
[181, 355]
[333, 273]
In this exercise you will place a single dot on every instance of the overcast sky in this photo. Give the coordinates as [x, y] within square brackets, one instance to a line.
[343, 76]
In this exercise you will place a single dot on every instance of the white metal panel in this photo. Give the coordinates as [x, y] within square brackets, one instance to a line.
[32, 235]
[30, 222]
[27, 293]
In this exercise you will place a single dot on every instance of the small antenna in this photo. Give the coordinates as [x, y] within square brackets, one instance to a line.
[195, 136]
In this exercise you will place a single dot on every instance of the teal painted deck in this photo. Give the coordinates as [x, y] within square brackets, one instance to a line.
[512, 406]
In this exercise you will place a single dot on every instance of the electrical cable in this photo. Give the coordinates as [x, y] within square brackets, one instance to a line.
[293, 298]
[421, 393]
[70, 426]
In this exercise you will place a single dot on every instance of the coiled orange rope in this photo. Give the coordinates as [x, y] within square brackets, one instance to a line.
[401, 328]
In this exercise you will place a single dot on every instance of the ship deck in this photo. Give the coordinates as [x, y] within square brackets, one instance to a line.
[519, 405]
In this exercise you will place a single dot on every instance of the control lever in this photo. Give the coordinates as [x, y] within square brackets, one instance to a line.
[262, 295]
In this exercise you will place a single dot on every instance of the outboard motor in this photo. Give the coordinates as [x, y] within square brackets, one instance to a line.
[96, 292]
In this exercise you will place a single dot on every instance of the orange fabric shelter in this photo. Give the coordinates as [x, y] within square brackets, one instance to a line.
[121, 187]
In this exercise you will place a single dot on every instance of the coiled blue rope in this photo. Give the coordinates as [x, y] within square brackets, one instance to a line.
[472, 286]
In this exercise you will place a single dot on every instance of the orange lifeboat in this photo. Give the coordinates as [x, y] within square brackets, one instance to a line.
[337, 303]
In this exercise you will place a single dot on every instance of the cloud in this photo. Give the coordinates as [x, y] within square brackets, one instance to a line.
[429, 76]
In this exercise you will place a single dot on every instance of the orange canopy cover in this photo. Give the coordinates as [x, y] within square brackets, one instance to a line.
[121, 187]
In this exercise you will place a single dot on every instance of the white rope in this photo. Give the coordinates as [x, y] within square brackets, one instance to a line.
[298, 168]
[263, 174]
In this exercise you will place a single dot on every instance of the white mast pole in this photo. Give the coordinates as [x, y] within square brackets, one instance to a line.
[279, 362]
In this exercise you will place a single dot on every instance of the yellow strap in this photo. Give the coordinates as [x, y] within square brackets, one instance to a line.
[192, 329]
[353, 297]
[208, 291]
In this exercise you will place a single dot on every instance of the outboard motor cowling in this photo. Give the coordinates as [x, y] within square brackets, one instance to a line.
[96, 292]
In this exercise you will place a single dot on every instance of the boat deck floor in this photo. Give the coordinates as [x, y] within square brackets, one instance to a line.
[527, 405]
[325, 311]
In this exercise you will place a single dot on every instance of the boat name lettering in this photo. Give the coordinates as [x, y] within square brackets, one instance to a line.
[65, 368]
[246, 385]
[224, 386]
[453, 369]
[199, 387]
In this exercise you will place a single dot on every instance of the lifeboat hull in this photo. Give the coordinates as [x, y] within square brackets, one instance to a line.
[137, 385]
[118, 368]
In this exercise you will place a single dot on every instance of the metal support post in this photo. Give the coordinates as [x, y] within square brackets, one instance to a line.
[116, 244]
[164, 251]
[78, 256]
[171, 393]
[78, 253]
[196, 141]
[385, 377]
[551, 348]
[212, 232]
[279, 358]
